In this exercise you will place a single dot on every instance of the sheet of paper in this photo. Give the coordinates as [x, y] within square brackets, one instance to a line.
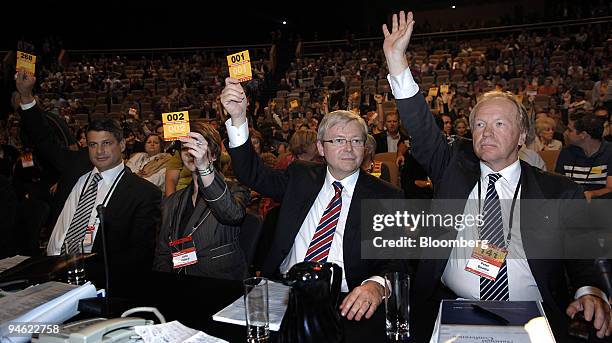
[278, 298]
[10, 262]
[173, 332]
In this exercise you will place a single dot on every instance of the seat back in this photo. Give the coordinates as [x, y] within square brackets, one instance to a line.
[388, 159]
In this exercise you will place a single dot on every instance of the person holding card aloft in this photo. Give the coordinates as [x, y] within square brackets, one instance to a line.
[201, 223]
[488, 168]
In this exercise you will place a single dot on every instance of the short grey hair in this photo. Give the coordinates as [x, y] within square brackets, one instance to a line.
[370, 144]
[521, 112]
[340, 117]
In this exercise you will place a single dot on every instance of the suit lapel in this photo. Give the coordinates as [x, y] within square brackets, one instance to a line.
[351, 227]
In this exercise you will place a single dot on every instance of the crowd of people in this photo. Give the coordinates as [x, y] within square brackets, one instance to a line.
[257, 148]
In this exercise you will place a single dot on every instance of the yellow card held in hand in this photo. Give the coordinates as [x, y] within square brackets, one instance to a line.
[26, 62]
[293, 104]
[176, 125]
[444, 89]
[433, 91]
[240, 66]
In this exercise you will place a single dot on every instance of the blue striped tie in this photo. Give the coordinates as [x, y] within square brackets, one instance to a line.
[321, 242]
[80, 219]
[493, 231]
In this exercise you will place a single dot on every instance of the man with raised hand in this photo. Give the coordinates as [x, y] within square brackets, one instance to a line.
[320, 203]
[489, 165]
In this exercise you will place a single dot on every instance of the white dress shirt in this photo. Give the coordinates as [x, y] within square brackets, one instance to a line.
[521, 284]
[65, 218]
[237, 137]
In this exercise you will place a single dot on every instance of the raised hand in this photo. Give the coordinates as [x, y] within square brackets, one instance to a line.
[24, 84]
[397, 40]
[234, 101]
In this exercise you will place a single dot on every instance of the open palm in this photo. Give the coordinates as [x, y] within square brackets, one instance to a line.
[397, 40]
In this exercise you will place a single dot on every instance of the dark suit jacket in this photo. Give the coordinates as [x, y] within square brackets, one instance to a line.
[381, 141]
[131, 220]
[454, 170]
[296, 189]
[216, 238]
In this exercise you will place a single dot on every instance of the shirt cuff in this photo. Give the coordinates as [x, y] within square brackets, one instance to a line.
[29, 105]
[590, 290]
[381, 281]
[403, 85]
[237, 135]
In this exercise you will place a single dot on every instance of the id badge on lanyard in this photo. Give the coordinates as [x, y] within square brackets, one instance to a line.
[186, 255]
[486, 262]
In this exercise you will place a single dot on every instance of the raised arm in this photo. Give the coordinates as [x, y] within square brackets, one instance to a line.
[247, 165]
[429, 147]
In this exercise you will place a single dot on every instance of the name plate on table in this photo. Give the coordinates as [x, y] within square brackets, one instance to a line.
[463, 321]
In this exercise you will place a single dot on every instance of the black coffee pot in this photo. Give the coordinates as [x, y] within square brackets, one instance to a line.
[312, 313]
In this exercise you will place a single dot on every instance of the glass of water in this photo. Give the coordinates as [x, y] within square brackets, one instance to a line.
[397, 307]
[256, 309]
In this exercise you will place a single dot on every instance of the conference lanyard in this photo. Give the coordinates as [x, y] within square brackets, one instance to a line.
[516, 193]
[110, 191]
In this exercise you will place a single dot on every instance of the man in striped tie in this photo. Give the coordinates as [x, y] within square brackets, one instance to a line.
[320, 210]
[132, 203]
[488, 167]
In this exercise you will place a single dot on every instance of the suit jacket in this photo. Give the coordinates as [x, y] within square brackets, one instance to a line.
[454, 170]
[217, 236]
[131, 220]
[381, 141]
[296, 188]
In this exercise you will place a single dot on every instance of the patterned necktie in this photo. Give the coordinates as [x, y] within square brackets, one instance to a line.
[78, 225]
[493, 231]
[324, 235]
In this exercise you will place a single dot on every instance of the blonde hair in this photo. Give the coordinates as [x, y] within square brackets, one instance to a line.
[542, 124]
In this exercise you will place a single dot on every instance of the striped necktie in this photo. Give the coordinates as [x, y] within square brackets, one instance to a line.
[493, 231]
[321, 242]
[78, 225]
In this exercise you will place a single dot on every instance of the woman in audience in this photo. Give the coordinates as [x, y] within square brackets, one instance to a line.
[202, 222]
[302, 146]
[545, 129]
[462, 129]
[151, 164]
[256, 140]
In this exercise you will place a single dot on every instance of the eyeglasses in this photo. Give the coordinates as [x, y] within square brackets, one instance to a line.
[340, 142]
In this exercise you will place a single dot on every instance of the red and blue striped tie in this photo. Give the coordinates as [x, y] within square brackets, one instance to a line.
[324, 235]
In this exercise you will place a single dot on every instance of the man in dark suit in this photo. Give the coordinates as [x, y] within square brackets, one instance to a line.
[490, 166]
[315, 196]
[390, 139]
[93, 177]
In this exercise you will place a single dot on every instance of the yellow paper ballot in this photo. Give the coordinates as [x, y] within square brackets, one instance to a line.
[240, 66]
[176, 125]
[26, 62]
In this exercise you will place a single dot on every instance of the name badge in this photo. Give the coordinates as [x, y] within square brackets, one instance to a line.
[186, 255]
[486, 262]
[88, 240]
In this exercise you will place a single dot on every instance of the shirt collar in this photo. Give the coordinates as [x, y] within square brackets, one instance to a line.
[348, 183]
[511, 173]
[109, 176]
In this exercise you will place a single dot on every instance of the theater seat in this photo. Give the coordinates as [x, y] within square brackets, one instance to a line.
[550, 159]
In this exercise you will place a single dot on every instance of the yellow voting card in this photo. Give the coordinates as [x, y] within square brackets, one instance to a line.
[444, 89]
[240, 66]
[293, 104]
[27, 62]
[433, 91]
[176, 125]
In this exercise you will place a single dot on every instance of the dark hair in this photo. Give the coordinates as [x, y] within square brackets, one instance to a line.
[108, 125]
[589, 123]
[212, 138]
